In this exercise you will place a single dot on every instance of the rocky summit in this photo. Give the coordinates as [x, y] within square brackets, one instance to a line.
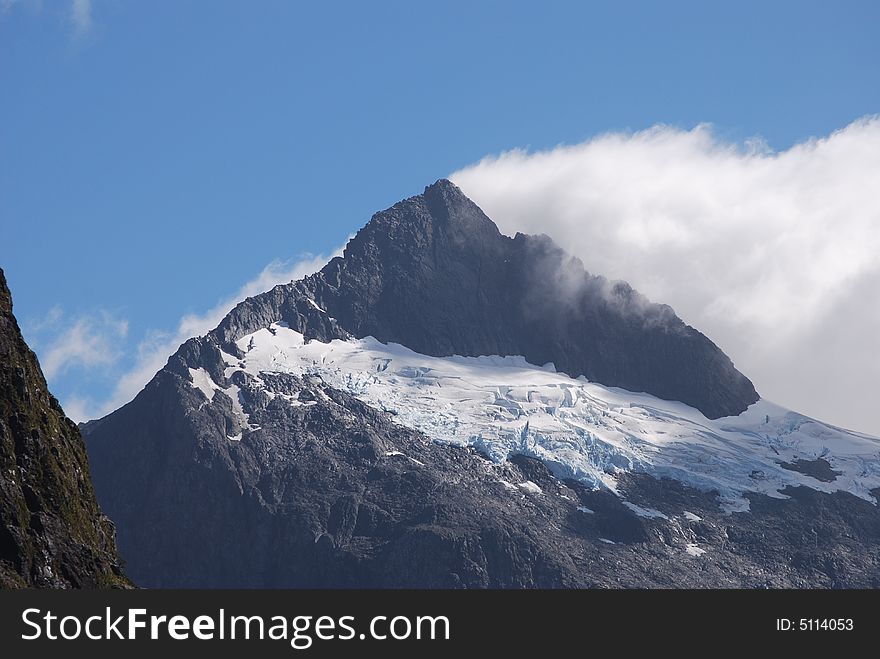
[52, 532]
[446, 406]
[433, 273]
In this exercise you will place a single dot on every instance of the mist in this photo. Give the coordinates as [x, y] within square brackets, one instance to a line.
[772, 254]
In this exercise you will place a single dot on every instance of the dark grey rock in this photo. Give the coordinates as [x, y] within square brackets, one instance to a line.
[820, 469]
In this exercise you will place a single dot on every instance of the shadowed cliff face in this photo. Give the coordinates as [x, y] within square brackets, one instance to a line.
[52, 533]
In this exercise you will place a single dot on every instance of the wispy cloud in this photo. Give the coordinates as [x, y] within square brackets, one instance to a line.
[85, 342]
[153, 352]
[77, 14]
[772, 254]
[7, 5]
[81, 16]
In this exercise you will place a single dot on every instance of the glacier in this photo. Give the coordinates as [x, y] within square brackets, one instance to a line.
[504, 406]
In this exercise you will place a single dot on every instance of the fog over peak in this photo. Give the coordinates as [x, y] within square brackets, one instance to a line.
[772, 254]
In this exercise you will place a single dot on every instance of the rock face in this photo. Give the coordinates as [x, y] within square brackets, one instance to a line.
[52, 533]
[218, 477]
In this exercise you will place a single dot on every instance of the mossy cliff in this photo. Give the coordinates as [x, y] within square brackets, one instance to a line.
[52, 532]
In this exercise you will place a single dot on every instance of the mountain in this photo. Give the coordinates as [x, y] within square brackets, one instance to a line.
[434, 273]
[446, 406]
[52, 533]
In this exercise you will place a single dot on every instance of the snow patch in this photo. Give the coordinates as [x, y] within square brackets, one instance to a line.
[530, 487]
[644, 512]
[584, 509]
[689, 516]
[315, 304]
[202, 381]
[413, 460]
[504, 406]
[693, 550]
[234, 394]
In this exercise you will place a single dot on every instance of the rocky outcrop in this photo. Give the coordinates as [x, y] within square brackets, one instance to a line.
[52, 532]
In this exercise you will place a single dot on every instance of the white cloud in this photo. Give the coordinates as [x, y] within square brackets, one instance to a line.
[77, 408]
[51, 320]
[153, 352]
[81, 16]
[34, 6]
[77, 14]
[88, 341]
[772, 254]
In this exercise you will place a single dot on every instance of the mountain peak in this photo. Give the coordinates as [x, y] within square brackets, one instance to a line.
[434, 273]
[5, 296]
[448, 205]
[443, 184]
[444, 192]
[442, 216]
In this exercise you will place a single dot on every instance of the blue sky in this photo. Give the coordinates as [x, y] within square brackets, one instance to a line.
[155, 156]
